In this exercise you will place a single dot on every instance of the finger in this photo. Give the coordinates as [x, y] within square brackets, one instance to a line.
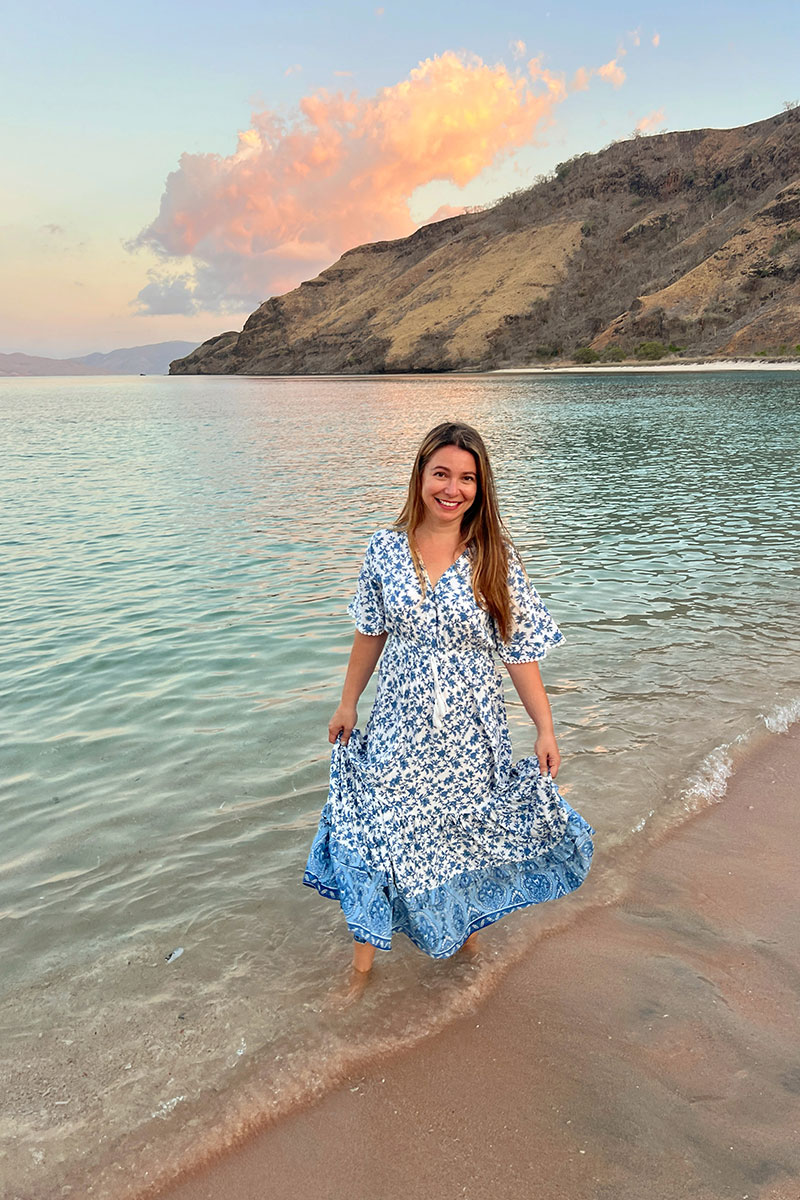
[333, 732]
[346, 735]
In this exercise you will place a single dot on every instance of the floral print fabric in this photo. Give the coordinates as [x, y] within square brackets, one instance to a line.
[429, 829]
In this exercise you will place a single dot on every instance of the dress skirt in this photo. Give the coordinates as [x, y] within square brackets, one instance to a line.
[429, 829]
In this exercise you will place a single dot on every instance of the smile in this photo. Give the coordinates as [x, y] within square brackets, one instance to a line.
[447, 503]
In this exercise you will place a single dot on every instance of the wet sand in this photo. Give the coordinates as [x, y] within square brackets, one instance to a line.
[648, 1052]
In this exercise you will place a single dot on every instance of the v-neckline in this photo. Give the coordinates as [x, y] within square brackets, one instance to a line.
[433, 586]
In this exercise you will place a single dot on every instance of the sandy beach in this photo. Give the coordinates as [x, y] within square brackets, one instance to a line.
[658, 367]
[649, 1049]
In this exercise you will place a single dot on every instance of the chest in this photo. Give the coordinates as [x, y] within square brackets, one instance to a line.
[445, 616]
[436, 562]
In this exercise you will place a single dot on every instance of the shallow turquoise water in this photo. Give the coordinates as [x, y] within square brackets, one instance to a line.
[178, 555]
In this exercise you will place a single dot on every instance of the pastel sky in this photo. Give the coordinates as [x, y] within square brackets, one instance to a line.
[167, 166]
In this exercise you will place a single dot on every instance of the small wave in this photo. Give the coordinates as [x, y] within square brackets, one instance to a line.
[782, 716]
[710, 783]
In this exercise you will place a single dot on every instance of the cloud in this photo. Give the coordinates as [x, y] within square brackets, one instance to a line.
[343, 74]
[656, 39]
[443, 212]
[612, 72]
[518, 48]
[53, 229]
[165, 294]
[580, 80]
[296, 193]
[652, 120]
[294, 69]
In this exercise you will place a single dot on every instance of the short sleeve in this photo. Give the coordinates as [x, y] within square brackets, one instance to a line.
[366, 607]
[534, 630]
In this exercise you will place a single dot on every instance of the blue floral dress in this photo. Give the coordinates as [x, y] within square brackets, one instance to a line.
[429, 830]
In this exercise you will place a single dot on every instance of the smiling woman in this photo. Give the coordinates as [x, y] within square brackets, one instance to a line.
[449, 486]
[429, 830]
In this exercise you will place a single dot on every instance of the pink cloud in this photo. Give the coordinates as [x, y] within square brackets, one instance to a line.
[612, 72]
[443, 212]
[295, 194]
[580, 80]
[656, 39]
[651, 121]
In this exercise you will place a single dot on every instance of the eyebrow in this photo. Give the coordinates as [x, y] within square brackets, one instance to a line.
[441, 467]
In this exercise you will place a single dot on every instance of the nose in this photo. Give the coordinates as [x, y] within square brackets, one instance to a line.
[452, 487]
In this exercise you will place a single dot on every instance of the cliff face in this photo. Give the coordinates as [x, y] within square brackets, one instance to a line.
[691, 238]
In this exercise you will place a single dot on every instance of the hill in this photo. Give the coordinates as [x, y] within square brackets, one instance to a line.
[690, 238]
[32, 364]
[152, 360]
[135, 360]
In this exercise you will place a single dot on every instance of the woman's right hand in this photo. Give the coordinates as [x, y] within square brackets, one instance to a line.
[342, 722]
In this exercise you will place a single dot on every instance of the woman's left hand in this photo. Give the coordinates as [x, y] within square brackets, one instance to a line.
[547, 753]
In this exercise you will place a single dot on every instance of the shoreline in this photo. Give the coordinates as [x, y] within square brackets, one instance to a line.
[679, 366]
[665, 366]
[652, 1039]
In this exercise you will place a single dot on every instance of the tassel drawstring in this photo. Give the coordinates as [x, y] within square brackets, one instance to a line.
[439, 702]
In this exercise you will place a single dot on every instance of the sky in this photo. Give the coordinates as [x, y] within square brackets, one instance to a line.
[166, 167]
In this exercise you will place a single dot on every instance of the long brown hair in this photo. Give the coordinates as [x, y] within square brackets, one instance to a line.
[482, 531]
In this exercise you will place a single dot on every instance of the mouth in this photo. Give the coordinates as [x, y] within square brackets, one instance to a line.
[447, 504]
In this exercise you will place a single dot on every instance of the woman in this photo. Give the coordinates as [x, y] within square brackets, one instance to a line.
[429, 830]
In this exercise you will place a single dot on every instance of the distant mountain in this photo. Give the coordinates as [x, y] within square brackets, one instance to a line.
[30, 364]
[690, 238]
[135, 360]
[152, 360]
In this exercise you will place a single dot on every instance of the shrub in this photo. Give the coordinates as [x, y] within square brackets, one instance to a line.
[722, 194]
[551, 351]
[784, 241]
[673, 349]
[613, 354]
[585, 354]
[650, 350]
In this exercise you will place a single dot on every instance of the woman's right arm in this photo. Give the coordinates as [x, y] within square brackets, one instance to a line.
[363, 660]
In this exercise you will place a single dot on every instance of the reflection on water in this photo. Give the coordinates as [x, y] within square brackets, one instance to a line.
[180, 554]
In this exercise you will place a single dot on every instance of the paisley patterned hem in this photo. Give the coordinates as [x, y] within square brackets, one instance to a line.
[439, 920]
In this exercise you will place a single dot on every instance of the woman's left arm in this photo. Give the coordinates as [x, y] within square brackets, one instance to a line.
[530, 689]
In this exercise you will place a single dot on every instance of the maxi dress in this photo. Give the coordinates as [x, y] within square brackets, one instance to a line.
[429, 830]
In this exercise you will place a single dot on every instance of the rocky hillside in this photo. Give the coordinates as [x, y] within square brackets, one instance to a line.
[690, 238]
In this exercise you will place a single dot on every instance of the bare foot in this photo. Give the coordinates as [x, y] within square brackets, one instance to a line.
[349, 988]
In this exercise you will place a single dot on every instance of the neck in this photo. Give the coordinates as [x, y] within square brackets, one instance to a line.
[444, 535]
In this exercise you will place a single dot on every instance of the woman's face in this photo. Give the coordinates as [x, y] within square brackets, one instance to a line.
[449, 485]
